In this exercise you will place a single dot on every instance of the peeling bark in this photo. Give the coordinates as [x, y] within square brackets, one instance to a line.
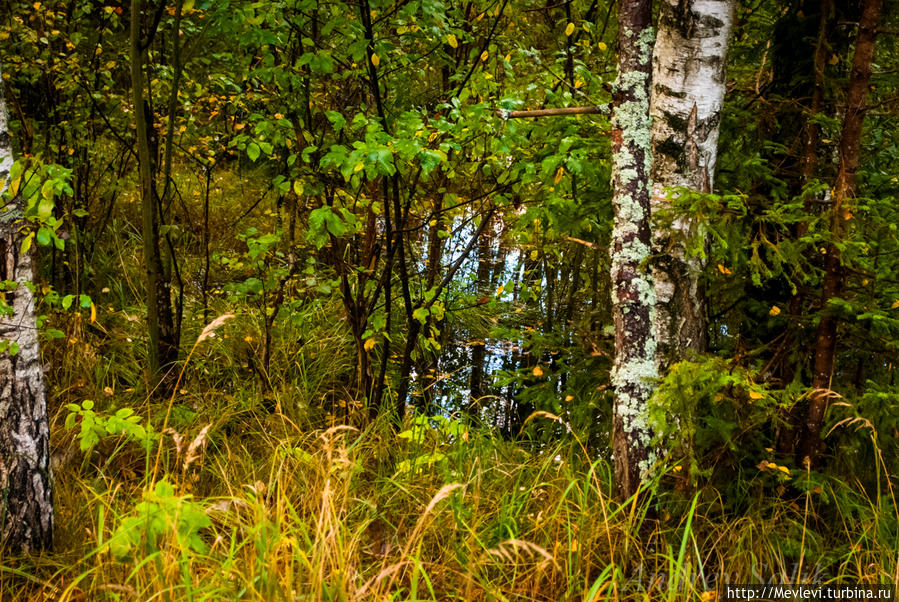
[26, 500]
[633, 294]
[689, 70]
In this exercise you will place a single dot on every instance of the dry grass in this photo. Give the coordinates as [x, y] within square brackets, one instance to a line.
[325, 516]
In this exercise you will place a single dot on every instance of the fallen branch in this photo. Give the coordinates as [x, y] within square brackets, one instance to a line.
[595, 110]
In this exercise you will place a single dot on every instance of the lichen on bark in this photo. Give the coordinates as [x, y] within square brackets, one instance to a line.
[633, 294]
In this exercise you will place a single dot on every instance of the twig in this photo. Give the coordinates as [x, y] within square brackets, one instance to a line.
[594, 110]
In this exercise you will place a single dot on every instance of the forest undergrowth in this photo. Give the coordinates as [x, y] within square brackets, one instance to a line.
[234, 490]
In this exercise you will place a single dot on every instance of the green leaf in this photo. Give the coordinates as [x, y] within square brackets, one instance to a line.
[335, 225]
[421, 314]
[43, 237]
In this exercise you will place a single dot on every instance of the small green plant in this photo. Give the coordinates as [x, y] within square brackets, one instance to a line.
[434, 438]
[95, 427]
[38, 185]
[160, 513]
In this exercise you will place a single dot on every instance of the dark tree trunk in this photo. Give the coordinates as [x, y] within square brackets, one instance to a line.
[26, 500]
[163, 344]
[792, 418]
[843, 190]
[479, 347]
[633, 295]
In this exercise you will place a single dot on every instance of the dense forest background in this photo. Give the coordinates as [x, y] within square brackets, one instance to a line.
[322, 317]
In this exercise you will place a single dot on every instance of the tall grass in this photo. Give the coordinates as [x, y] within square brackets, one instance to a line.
[323, 516]
[253, 500]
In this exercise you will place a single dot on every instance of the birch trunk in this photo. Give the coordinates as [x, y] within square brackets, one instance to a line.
[26, 501]
[633, 294]
[689, 69]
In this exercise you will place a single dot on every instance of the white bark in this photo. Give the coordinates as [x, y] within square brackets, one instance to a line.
[689, 69]
[26, 510]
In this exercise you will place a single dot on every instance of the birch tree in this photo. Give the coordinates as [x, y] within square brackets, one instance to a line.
[633, 294]
[26, 505]
[688, 81]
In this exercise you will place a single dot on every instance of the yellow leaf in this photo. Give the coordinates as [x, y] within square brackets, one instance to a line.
[756, 395]
[774, 311]
[484, 56]
[534, 255]
[602, 46]
[452, 41]
[570, 29]
[26, 243]
[433, 136]
[569, 397]
[359, 166]
[502, 287]
[724, 270]
[93, 312]
[370, 344]
[375, 60]
[537, 371]
[895, 304]
[834, 59]
[783, 469]
[559, 173]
